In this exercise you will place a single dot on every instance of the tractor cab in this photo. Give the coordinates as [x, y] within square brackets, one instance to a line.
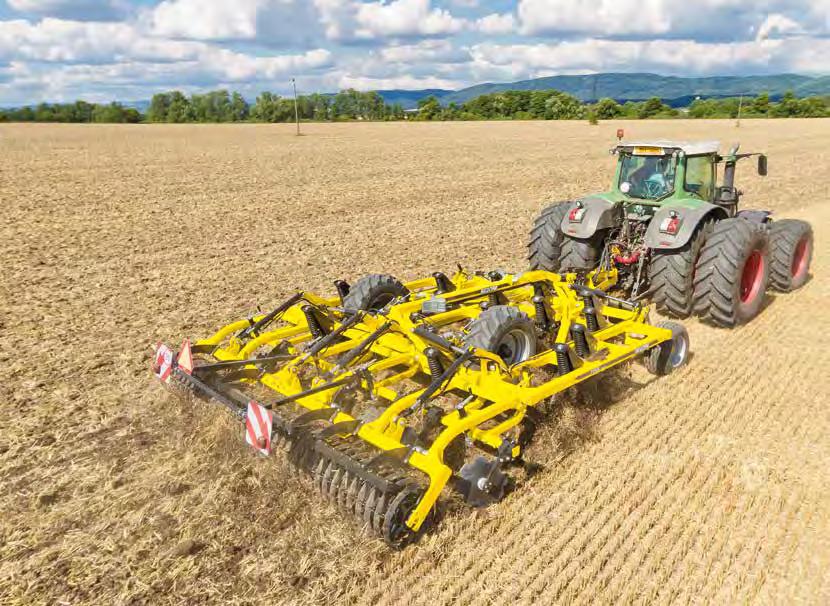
[652, 172]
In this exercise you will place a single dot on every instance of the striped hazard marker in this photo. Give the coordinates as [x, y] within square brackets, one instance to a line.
[185, 358]
[258, 425]
[163, 362]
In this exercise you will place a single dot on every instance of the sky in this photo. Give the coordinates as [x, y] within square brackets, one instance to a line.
[103, 50]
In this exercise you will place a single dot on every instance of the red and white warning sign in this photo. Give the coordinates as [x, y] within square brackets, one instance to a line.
[185, 359]
[258, 425]
[163, 362]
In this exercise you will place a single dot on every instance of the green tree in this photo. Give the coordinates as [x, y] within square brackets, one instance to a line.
[608, 109]
[563, 106]
[429, 108]
[652, 107]
[760, 105]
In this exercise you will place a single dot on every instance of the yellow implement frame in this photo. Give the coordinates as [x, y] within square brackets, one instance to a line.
[494, 396]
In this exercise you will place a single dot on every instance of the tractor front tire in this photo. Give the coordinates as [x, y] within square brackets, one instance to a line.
[732, 273]
[372, 292]
[546, 237]
[791, 250]
[581, 254]
[671, 274]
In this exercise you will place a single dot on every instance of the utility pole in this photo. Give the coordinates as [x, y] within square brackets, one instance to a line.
[296, 111]
[740, 105]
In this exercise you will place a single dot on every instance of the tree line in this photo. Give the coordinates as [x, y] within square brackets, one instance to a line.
[555, 105]
[347, 105]
[220, 106]
[79, 111]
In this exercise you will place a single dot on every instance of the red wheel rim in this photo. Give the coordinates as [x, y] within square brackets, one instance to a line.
[801, 258]
[752, 277]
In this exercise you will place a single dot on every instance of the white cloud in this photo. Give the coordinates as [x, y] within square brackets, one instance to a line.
[117, 54]
[595, 16]
[56, 40]
[201, 20]
[777, 25]
[81, 10]
[663, 56]
[404, 18]
[426, 51]
[397, 82]
[496, 24]
[276, 23]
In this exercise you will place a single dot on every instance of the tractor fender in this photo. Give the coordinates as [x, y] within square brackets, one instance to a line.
[690, 218]
[598, 214]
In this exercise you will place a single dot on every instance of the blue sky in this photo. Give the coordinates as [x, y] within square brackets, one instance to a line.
[118, 49]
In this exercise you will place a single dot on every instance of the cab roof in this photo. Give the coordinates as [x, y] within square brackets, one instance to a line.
[690, 148]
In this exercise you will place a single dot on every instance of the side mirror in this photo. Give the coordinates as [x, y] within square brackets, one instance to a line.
[762, 165]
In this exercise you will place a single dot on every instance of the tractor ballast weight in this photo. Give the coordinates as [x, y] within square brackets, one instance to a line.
[390, 393]
[656, 227]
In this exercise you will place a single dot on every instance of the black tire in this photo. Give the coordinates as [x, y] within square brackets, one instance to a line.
[545, 246]
[671, 274]
[669, 355]
[581, 254]
[732, 273]
[791, 251]
[373, 292]
[505, 331]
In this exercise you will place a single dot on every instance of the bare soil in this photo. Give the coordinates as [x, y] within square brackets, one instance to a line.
[709, 485]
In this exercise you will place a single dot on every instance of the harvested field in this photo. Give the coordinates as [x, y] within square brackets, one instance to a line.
[707, 486]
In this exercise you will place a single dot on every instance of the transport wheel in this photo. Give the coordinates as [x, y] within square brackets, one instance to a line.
[732, 273]
[395, 531]
[791, 250]
[671, 274]
[581, 254]
[506, 331]
[667, 356]
[546, 237]
[372, 292]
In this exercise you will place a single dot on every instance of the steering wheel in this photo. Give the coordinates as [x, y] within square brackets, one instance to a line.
[653, 188]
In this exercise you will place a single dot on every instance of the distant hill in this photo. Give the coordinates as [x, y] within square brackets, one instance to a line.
[409, 98]
[632, 87]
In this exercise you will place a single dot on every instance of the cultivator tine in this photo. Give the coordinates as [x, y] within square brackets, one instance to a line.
[257, 327]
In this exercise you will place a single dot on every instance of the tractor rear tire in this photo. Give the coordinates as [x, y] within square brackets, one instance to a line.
[546, 237]
[669, 355]
[581, 254]
[505, 331]
[372, 292]
[791, 250]
[732, 273]
[671, 274]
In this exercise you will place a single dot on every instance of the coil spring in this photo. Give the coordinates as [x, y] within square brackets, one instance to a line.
[590, 313]
[583, 350]
[436, 369]
[313, 323]
[542, 320]
[493, 299]
[563, 361]
[591, 319]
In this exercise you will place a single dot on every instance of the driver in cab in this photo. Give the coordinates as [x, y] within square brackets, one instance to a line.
[654, 178]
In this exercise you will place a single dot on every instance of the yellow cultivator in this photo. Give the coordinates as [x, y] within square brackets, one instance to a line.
[389, 393]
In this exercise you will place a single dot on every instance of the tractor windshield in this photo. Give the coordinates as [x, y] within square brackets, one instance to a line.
[647, 177]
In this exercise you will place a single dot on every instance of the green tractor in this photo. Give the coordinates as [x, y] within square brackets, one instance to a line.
[677, 236]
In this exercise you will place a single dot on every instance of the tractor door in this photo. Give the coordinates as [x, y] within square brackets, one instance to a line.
[700, 177]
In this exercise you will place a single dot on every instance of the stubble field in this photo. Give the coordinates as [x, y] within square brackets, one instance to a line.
[708, 486]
